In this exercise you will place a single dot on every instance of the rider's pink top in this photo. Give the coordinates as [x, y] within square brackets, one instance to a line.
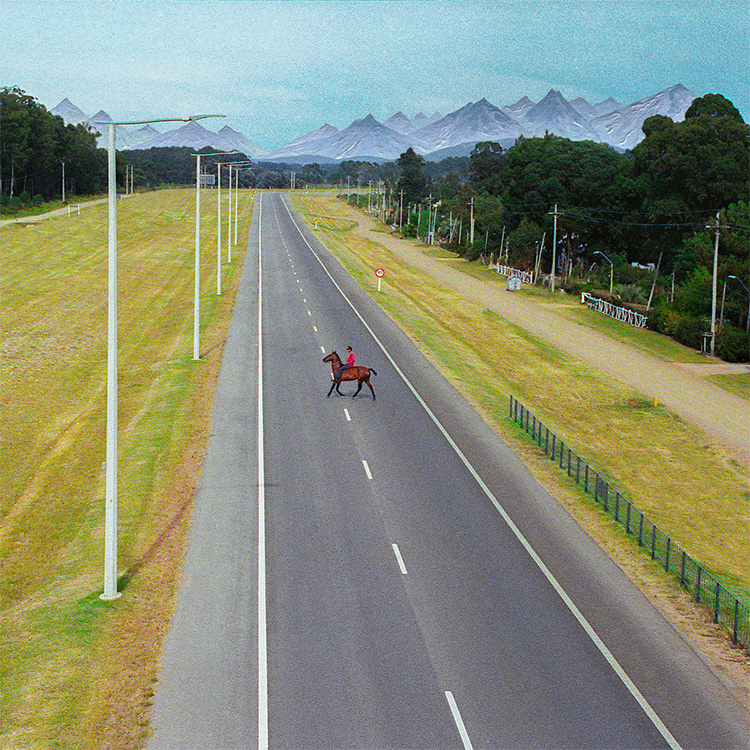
[350, 360]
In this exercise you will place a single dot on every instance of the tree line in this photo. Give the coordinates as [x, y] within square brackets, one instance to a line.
[37, 149]
[654, 206]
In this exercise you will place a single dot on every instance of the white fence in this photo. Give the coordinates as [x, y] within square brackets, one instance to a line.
[613, 311]
[513, 273]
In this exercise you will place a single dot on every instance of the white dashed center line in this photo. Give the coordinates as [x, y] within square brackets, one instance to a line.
[400, 559]
[367, 469]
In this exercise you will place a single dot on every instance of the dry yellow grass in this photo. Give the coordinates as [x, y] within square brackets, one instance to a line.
[660, 462]
[70, 664]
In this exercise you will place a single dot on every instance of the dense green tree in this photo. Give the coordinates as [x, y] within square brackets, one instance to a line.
[413, 181]
[698, 165]
[486, 168]
[713, 105]
[33, 145]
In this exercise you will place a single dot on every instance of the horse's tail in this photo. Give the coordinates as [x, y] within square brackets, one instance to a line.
[372, 371]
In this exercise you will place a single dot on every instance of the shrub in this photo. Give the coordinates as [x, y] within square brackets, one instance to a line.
[630, 293]
[688, 331]
[733, 345]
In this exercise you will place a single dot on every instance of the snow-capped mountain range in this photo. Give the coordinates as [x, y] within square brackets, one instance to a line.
[435, 137]
[456, 133]
[192, 134]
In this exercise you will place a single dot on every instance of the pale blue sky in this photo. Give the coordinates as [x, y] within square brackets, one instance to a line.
[279, 69]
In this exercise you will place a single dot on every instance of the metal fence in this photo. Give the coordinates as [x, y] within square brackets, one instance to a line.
[613, 311]
[726, 608]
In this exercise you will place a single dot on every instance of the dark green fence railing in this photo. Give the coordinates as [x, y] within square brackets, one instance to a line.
[726, 608]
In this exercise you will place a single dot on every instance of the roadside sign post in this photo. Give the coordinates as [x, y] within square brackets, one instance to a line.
[379, 272]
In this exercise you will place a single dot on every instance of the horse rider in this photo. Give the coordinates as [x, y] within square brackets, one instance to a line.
[349, 363]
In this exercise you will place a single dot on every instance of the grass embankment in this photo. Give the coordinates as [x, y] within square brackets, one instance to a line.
[76, 671]
[660, 462]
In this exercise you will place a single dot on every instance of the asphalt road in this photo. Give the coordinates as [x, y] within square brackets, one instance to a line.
[385, 573]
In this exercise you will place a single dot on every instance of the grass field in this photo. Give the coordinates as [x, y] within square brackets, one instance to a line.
[72, 667]
[664, 465]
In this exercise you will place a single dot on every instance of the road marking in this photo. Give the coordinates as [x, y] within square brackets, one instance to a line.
[309, 313]
[459, 721]
[367, 469]
[546, 572]
[323, 349]
[315, 328]
[262, 622]
[348, 418]
[304, 300]
[399, 558]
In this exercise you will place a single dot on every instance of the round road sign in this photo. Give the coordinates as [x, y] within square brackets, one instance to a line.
[380, 273]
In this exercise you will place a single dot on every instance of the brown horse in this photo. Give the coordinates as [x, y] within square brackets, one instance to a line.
[360, 374]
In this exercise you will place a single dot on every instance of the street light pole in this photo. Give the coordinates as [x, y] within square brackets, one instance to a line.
[62, 161]
[110, 515]
[197, 280]
[218, 227]
[110, 512]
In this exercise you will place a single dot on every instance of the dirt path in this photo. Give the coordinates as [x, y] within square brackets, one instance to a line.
[724, 417]
[50, 214]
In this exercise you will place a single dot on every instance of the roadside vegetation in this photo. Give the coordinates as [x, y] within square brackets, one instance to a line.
[75, 671]
[695, 493]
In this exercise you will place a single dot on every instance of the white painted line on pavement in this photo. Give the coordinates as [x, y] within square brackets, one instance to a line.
[459, 721]
[348, 418]
[315, 328]
[546, 572]
[400, 559]
[367, 469]
[262, 622]
[309, 313]
[323, 349]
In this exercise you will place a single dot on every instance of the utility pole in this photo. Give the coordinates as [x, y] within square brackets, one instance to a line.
[554, 249]
[63, 180]
[471, 229]
[716, 227]
[401, 210]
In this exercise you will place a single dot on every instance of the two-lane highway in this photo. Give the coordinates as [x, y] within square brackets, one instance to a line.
[384, 573]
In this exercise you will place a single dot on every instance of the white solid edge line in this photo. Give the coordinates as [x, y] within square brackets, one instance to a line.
[629, 684]
[400, 559]
[458, 720]
[262, 623]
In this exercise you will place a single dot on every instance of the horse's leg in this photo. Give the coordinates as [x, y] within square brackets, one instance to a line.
[333, 385]
[369, 385]
[359, 388]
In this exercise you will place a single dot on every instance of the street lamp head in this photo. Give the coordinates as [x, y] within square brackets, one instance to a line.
[732, 277]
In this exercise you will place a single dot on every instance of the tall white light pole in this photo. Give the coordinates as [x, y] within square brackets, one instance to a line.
[218, 227]
[197, 285]
[233, 206]
[110, 516]
[62, 161]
